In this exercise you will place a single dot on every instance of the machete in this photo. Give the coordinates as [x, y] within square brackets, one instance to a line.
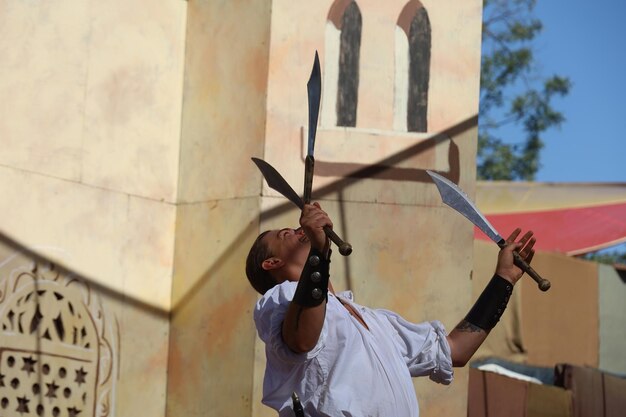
[454, 197]
[314, 92]
[278, 183]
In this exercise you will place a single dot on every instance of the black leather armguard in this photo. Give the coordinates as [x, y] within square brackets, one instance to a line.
[312, 288]
[491, 304]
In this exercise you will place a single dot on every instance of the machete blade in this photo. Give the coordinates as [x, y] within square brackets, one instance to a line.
[454, 197]
[314, 89]
[277, 182]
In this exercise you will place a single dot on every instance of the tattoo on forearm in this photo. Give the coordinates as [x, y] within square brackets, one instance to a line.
[466, 326]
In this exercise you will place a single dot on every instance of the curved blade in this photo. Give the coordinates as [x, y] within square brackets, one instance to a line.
[314, 89]
[454, 197]
[277, 182]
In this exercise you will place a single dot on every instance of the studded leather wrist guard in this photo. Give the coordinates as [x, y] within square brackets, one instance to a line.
[491, 304]
[312, 288]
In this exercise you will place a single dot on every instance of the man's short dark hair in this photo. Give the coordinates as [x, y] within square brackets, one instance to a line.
[259, 278]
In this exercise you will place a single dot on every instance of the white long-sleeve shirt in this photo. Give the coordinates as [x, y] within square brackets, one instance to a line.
[352, 371]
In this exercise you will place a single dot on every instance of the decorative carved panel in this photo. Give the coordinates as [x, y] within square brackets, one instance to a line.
[58, 350]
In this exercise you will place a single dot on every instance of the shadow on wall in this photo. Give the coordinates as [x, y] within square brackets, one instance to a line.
[386, 168]
[62, 270]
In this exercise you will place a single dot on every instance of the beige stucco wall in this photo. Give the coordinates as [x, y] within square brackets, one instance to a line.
[612, 326]
[543, 329]
[223, 120]
[89, 132]
[453, 91]
[90, 126]
[554, 322]
[127, 130]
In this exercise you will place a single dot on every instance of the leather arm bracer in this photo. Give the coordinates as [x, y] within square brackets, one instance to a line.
[491, 304]
[312, 288]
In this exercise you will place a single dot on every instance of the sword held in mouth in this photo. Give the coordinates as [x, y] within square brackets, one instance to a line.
[452, 196]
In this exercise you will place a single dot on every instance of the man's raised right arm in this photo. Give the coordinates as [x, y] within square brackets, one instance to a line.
[305, 316]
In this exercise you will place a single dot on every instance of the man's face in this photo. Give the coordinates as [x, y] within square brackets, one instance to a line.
[290, 245]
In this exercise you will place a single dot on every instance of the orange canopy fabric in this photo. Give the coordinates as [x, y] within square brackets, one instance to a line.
[571, 218]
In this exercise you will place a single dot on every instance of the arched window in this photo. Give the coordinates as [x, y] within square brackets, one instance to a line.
[343, 44]
[413, 41]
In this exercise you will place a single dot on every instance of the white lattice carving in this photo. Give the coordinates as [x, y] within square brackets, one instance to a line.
[57, 350]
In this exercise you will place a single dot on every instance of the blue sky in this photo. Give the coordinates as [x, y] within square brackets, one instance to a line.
[585, 41]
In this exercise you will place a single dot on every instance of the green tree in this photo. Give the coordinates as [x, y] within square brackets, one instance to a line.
[611, 257]
[512, 92]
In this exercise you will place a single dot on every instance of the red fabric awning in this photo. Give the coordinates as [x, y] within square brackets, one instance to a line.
[571, 231]
[567, 218]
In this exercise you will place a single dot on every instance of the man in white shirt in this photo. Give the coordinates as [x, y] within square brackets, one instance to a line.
[343, 359]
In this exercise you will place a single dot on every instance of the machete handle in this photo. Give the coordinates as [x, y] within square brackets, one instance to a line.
[344, 247]
[309, 167]
[542, 283]
[278, 183]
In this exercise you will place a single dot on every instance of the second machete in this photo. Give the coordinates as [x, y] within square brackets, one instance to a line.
[452, 196]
